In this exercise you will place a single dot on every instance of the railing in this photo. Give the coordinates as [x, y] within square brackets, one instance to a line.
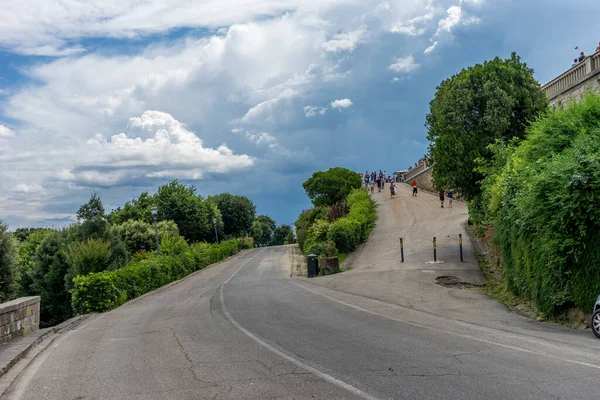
[577, 74]
[416, 170]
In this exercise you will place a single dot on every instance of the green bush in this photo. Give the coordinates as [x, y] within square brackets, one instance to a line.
[102, 291]
[138, 236]
[545, 210]
[323, 249]
[173, 245]
[345, 233]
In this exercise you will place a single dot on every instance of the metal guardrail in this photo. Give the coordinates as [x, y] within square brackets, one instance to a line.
[574, 76]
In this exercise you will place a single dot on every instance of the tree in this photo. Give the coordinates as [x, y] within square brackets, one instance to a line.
[262, 230]
[8, 264]
[474, 108]
[238, 213]
[136, 209]
[281, 234]
[138, 236]
[325, 188]
[192, 214]
[92, 210]
[26, 258]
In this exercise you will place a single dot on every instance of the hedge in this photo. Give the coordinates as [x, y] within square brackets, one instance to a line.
[102, 291]
[342, 235]
[545, 210]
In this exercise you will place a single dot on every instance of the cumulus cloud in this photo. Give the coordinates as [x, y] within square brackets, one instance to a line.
[261, 138]
[345, 41]
[164, 148]
[311, 111]
[5, 132]
[342, 103]
[404, 64]
[28, 188]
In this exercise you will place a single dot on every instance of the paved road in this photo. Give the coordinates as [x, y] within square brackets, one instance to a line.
[244, 329]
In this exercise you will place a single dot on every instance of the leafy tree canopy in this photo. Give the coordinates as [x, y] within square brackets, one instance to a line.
[282, 234]
[471, 110]
[238, 213]
[92, 209]
[8, 264]
[325, 188]
[263, 228]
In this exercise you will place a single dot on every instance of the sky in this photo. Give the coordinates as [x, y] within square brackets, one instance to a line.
[242, 96]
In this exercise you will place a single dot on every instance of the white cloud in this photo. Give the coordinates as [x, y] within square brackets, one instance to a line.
[257, 138]
[404, 64]
[431, 48]
[28, 188]
[342, 103]
[311, 111]
[345, 41]
[164, 148]
[5, 132]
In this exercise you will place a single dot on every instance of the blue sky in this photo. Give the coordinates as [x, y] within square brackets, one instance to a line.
[251, 97]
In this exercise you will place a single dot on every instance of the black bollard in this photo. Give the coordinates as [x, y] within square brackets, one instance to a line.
[401, 250]
[434, 250]
[460, 245]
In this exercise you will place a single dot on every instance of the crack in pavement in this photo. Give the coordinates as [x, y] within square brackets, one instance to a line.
[187, 357]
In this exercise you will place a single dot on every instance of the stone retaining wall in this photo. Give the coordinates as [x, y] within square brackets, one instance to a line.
[19, 317]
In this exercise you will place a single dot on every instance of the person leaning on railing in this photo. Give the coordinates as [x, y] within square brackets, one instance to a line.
[598, 48]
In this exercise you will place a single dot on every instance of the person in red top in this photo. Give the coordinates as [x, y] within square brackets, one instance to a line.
[414, 185]
[598, 48]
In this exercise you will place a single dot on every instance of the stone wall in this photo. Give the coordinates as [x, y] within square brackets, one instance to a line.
[591, 84]
[424, 179]
[19, 317]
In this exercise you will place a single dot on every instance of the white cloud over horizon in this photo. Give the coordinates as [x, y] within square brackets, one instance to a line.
[404, 64]
[341, 103]
[6, 132]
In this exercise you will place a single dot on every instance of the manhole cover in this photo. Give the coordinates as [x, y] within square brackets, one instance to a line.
[453, 281]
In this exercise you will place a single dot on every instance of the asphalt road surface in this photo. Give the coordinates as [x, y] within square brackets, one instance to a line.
[244, 329]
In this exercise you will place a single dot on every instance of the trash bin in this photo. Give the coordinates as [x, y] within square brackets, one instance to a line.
[312, 264]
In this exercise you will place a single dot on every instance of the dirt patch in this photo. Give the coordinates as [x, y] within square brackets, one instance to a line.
[296, 261]
[453, 282]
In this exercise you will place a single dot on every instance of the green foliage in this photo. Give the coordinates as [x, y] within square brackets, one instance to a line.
[22, 234]
[138, 236]
[325, 188]
[92, 210]
[137, 209]
[316, 235]
[238, 213]
[263, 229]
[337, 211]
[545, 210]
[8, 264]
[102, 291]
[473, 109]
[93, 255]
[48, 278]
[167, 228]
[282, 235]
[27, 250]
[173, 245]
[345, 233]
[192, 214]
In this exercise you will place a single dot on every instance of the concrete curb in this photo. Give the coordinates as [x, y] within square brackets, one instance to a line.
[13, 352]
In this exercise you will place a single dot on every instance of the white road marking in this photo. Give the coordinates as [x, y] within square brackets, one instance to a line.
[281, 354]
[506, 346]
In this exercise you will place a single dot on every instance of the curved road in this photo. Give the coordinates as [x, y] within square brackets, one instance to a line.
[243, 329]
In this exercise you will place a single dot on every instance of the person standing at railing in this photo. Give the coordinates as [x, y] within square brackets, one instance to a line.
[575, 62]
[598, 48]
[581, 56]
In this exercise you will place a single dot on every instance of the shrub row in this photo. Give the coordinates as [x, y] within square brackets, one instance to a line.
[327, 239]
[97, 292]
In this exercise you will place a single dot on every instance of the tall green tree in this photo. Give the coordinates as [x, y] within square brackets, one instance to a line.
[325, 188]
[238, 213]
[192, 214]
[136, 209]
[27, 250]
[8, 264]
[263, 228]
[492, 101]
[282, 234]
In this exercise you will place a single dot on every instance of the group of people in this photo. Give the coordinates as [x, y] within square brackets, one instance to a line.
[443, 194]
[582, 57]
[370, 179]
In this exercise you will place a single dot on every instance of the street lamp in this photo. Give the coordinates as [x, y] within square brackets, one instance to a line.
[154, 211]
[216, 234]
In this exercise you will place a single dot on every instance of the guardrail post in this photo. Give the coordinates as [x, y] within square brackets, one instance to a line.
[434, 250]
[401, 250]
[460, 245]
